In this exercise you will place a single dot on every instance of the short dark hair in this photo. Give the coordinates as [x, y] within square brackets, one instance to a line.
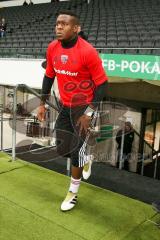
[70, 13]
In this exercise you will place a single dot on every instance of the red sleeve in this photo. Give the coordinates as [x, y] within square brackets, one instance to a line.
[94, 64]
[49, 68]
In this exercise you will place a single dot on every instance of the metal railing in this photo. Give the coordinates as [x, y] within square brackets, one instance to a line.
[148, 151]
[14, 119]
[14, 113]
[149, 154]
[1, 120]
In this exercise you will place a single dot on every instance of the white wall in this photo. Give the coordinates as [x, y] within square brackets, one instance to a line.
[20, 2]
[19, 71]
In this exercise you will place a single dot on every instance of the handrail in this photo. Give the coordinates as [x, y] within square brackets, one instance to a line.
[155, 156]
[37, 95]
[54, 107]
[15, 114]
[155, 151]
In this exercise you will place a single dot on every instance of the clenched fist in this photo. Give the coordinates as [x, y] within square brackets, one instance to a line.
[84, 123]
[41, 113]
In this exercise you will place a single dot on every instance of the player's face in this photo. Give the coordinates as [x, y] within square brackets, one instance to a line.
[66, 28]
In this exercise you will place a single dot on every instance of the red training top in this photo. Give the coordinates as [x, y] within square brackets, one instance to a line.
[78, 69]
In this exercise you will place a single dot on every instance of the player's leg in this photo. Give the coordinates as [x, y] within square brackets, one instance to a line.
[76, 173]
[63, 133]
[72, 194]
[78, 161]
[64, 136]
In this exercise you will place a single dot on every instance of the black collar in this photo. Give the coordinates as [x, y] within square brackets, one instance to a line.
[69, 44]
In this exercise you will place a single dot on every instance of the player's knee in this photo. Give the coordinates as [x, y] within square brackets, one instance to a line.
[62, 149]
[75, 162]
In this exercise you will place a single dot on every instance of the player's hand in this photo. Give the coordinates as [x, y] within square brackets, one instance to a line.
[41, 115]
[84, 123]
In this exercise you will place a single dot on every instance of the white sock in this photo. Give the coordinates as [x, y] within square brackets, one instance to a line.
[74, 185]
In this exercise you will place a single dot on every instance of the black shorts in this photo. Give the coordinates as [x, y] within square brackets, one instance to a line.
[69, 143]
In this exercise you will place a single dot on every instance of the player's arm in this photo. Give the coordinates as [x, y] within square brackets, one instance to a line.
[99, 77]
[46, 88]
[99, 94]
[46, 85]
[85, 120]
